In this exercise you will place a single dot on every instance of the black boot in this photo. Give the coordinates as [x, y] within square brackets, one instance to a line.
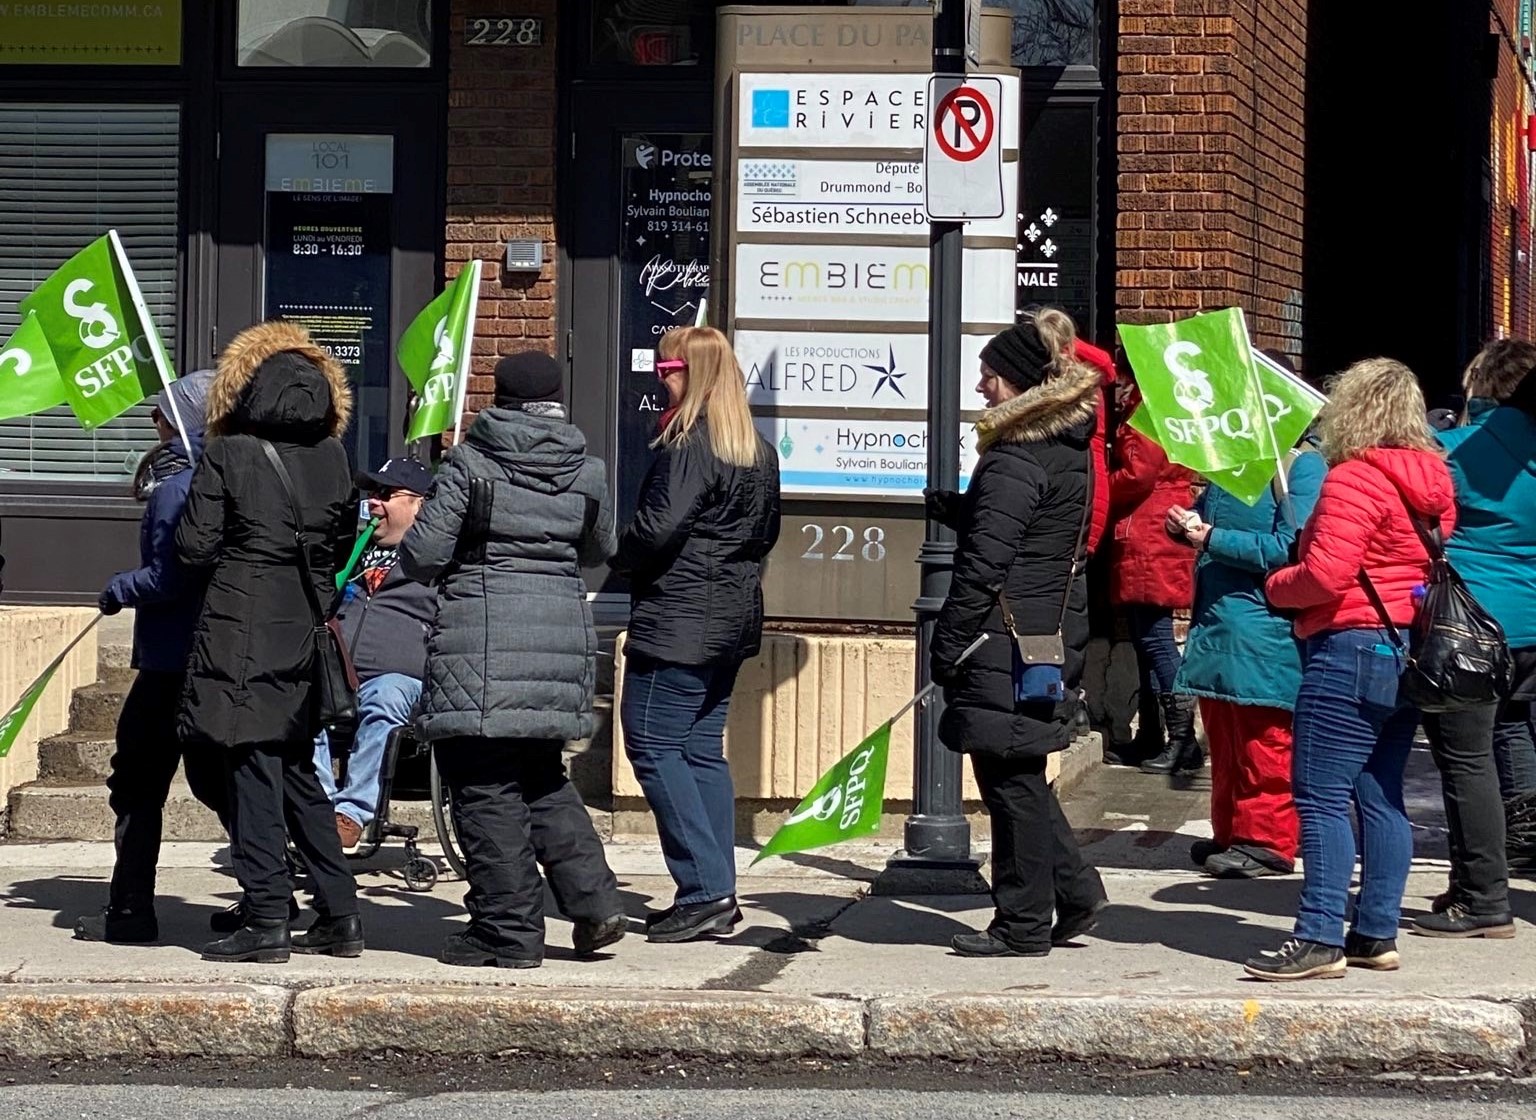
[264, 942]
[120, 926]
[1182, 755]
[1148, 741]
[232, 917]
[333, 937]
[699, 919]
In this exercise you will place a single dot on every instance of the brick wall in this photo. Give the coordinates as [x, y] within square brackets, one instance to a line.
[1211, 154]
[1509, 300]
[501, 181]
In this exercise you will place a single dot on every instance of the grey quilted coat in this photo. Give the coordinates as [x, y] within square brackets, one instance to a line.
[511, 653]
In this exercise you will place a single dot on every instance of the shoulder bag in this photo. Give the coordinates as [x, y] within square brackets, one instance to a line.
[335, 678]
[1457, 656]
[1038, 659]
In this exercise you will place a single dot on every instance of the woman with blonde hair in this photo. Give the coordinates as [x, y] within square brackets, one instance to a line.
[1361, 564]
[708, 515]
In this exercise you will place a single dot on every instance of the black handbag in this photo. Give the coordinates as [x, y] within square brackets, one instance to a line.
[334, 676]
[1039, 659]
[1457, 656]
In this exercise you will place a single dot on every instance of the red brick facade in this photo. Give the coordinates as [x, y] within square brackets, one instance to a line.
[1211, 157]
[502, 112]
[1509, 234]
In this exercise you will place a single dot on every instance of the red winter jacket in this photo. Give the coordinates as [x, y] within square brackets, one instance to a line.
[1360, 521]
[1101, 361]
[1147, 566]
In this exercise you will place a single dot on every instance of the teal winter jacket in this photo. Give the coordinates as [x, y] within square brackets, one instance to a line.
[1493, 464]
[1238, 649]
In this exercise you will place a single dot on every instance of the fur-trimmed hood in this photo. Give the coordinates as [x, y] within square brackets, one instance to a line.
[299, 385]
[1050, 409]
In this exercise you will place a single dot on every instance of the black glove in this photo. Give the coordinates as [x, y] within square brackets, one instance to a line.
[942, 505]
[945, 674]
[108, 603]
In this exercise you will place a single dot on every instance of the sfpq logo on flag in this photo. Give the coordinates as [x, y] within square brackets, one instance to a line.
[845, 802]
[107, 351]
[1199, 392]
[435, 350]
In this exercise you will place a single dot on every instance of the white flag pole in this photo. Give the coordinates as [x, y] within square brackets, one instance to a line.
[466, 355]
[162, 367]
[1279, 452]
[701, 318]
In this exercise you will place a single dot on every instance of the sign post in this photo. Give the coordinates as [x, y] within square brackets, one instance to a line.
[936, 839]
[963, 150]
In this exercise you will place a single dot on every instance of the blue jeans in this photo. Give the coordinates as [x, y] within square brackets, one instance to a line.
[384, 703]
[1352, 743]
[674, 726]
[1157, 654]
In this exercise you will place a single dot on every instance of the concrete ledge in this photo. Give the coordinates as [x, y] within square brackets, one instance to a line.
[1145, 1031]
[466, 1019]
[142, 1020]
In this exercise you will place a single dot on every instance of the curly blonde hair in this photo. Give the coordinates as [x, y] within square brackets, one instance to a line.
[1376, 402]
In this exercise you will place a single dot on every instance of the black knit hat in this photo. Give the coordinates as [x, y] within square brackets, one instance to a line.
[1019, 356]
[528, 377]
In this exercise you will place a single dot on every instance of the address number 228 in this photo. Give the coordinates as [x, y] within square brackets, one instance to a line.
[847, 542]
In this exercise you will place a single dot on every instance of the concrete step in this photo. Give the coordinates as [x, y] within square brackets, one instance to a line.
[93, 710]
[72, 811]
[75, 757]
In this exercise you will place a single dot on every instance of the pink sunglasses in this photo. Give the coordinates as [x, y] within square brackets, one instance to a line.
[669, 365]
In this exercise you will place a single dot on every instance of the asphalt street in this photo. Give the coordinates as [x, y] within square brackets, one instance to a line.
[70, 1102]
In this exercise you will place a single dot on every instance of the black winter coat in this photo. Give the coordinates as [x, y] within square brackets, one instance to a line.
[249, 677]
[694, 554]
[1018, 524]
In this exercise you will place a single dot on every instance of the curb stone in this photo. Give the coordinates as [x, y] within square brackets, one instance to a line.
[113, 1020]
[471, 1019]
[45, 1021]
[1364, 1032]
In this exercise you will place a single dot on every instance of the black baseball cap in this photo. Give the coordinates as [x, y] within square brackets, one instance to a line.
[397, 474]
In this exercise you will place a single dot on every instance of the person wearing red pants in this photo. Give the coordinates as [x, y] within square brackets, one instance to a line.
[1243, 663]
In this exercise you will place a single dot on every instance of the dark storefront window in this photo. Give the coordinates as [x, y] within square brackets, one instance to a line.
[1056, 204]
[395, 34]
[1053, 32]
[652, 32]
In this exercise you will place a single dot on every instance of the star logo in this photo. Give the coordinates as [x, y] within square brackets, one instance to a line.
[889, 375]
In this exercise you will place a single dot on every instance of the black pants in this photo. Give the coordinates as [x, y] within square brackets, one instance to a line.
[142, 769]
[276, 795]
[1462, 744]
[1036, 867]
[514, 809]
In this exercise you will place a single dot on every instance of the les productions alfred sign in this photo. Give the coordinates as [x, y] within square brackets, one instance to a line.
[845, 369]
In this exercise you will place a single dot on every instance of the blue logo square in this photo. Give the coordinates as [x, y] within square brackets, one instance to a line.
[770, 108]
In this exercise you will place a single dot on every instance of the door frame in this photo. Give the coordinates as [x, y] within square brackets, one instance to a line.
[246, 114]
[597, 115]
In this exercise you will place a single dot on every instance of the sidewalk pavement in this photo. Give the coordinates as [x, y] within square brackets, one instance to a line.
[819, 967]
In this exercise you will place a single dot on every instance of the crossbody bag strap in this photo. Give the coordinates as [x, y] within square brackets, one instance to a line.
[1432, 545]
[298, 533]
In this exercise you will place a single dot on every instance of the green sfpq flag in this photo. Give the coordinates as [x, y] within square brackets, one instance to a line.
[1200, 396]
[434, 351]
[103, 343]
[846, 802]
[12, 722]
[29, 380]
[1292, 405]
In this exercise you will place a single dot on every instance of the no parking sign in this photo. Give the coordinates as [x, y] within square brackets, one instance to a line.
[963, 154]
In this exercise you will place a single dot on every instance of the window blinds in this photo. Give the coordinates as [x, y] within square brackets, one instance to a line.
[69, 173]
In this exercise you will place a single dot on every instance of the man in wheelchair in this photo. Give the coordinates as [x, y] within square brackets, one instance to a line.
[385, 618]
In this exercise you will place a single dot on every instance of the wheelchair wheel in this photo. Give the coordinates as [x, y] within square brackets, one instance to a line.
[442, 819]
[420, 874]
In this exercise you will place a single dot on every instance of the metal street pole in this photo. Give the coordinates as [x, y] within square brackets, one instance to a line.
[936, 856]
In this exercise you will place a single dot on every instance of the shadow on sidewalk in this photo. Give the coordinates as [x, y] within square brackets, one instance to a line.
[1218, 937]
